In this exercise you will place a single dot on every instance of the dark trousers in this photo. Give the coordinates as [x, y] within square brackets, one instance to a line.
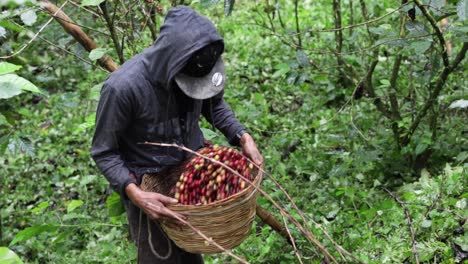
[152, 243]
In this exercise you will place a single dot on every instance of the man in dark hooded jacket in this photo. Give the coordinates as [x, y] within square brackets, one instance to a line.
[159, 96]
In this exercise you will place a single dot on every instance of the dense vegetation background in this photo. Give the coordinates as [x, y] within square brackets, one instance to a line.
[359, 108]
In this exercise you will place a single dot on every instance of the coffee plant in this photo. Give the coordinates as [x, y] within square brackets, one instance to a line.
[358, 107]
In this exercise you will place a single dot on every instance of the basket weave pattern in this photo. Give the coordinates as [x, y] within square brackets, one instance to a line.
[227, 222]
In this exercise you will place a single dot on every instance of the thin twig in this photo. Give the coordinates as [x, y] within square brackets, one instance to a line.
[296, 252]
[351, 26]
[84, 8]
[308, 235]
[76, 24]
[408, 218]
[57, 46]
[35, 35]
[209, 240]
[111, 27]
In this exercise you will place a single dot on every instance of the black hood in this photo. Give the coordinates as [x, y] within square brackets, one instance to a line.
[184, 32]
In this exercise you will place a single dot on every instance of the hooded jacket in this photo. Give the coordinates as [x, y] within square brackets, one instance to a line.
[141, 102]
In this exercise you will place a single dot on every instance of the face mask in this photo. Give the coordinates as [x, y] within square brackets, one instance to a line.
[202, 61]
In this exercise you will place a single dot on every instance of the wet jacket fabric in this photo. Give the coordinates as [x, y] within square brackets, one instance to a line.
[141, 102]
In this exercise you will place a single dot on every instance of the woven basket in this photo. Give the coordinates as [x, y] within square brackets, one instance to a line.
[227, 222]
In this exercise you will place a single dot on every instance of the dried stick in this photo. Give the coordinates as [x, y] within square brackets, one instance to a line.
[308, 235]
[58, 9]
[292, 240]
[337, 246]
[209, 240]
[408, 218]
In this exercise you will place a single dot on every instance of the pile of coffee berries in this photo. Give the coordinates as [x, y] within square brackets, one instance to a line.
[204, 181]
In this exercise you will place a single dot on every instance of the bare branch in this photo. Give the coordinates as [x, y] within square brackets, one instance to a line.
[296, 252]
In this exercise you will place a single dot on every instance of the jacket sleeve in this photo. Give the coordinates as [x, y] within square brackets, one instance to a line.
[218, 113]
[112, 117]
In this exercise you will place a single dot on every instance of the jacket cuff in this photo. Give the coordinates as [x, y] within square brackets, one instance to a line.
[235, 140]
[124, 185]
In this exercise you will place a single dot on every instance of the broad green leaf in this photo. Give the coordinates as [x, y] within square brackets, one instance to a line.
[420, 47]
[8, 90]
[62, 236]
[114, 206]
[3, 120]
[6, 67]
[73, 204]
[461, 204]
[8, 25]
[3, 143]
[302, 59]
[462, 103]
[416, 29]
[426, 223]
[7, 256]
[32, 231]
[40, 207]
[420, 148]
[95, 92]
[377, 30]
[462, 156]
[91, 2]
[462, 9]
[208, 133]
[2, 32]
[19, 145]
[384, 83]
[29, 17]
[89, 122]
[97, 53]
[16, 82]
[282, 69]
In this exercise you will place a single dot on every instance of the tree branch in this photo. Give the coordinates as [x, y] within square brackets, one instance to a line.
[438, 85]
[437, 30]
[296, 15]
[77, 33]
[110, 26]
[370, 87]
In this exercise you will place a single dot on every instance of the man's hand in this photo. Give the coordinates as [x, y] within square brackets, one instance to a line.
[153, 204]
[250, 149]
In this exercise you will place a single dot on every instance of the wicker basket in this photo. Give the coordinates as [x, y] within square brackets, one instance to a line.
[227, 222]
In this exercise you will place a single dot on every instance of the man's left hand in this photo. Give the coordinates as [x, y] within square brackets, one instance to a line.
[250, 149]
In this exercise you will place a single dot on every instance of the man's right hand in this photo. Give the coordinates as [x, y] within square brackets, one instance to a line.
[153, 204]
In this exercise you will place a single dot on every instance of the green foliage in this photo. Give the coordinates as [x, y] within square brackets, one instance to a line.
[307, 105]
[9, 257]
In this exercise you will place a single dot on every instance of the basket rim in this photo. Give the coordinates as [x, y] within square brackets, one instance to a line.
[221, 203]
